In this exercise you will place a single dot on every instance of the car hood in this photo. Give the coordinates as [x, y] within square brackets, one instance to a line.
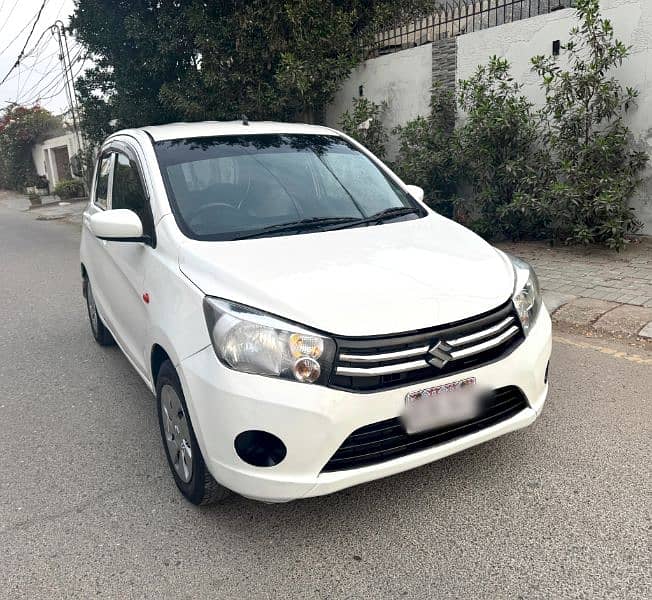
[395, 277]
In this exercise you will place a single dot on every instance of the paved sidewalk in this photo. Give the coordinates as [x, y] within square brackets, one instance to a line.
[595, 289]
[624, 277]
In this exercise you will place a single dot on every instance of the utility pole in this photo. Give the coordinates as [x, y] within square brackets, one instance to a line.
[59, 30]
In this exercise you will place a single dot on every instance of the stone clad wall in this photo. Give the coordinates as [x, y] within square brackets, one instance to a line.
[444, 63]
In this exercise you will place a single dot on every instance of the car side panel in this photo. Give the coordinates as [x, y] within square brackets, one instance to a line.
[176, 317]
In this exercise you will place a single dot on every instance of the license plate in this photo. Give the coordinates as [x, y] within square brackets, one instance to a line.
[442, 405]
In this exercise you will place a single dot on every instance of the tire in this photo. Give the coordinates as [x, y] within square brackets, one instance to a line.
[180, 444]
[101, 334]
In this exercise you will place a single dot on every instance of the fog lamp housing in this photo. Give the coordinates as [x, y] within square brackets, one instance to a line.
[260, 448]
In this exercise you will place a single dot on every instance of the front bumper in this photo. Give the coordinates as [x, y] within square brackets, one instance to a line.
[313, 421]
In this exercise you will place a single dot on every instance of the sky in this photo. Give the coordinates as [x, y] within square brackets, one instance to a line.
[39, 78]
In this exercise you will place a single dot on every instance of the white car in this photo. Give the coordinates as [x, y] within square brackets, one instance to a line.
[305, 321]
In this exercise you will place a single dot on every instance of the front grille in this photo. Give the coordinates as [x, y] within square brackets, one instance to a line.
[384, 362]
[388, 439]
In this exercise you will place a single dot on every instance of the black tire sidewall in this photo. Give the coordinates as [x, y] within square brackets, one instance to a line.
[193, 490]
[88, 292]
[102, 335]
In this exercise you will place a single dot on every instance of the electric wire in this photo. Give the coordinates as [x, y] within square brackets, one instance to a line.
[49, 73]
[29, 37]
[44, 91]
[11, 12]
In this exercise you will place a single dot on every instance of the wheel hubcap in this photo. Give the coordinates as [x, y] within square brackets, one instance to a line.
[177, 433]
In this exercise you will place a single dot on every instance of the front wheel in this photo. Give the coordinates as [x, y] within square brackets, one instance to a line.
[181, 448]
[101, 334]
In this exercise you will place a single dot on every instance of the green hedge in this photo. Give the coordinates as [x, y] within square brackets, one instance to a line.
[69, 188]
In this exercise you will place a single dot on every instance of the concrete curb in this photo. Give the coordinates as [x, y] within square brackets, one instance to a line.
[599, 317]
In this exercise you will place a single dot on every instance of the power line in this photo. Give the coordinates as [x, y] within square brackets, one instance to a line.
[57, 86]
[11, 12]
[34, 93]
[29, 37]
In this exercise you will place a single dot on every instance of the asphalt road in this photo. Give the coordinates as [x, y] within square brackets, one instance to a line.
[87, 507]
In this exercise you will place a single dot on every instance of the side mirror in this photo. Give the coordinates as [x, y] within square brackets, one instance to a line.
[119, 225]
[416, 192]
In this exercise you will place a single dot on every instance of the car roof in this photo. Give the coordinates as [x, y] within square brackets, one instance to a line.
[174, 131]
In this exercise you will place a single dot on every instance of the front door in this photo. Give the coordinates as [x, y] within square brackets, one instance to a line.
[126, 263]
[62, 161]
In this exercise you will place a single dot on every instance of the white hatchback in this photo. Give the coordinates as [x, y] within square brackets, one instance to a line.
[306, 322]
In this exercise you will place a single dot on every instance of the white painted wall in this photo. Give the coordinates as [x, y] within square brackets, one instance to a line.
[518, 42]
[403, 80]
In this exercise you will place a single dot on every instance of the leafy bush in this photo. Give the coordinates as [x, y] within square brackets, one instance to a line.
[69, 188]
[597, 169]
[501, 153]
[429, 152]
[365, 125]
[565, 172]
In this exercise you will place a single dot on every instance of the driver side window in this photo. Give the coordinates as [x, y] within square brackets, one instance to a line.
[129, 191]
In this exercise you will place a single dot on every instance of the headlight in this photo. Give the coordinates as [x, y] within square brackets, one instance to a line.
[249, 340]
[527, 296]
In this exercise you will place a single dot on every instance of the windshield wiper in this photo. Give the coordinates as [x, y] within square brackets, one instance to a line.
[390, 213]
[383, 215]
[300, 225]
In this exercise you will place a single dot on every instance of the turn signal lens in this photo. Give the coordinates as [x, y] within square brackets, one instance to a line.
[306, 370]
[306, 345]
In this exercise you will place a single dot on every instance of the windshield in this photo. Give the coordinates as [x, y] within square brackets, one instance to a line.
[227, 187]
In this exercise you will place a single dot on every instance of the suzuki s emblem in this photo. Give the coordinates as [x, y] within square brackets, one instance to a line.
[440, 354]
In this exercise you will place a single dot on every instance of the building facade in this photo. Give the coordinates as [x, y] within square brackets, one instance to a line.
[53, 155]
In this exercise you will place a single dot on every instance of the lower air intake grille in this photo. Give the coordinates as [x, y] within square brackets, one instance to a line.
[388, 439]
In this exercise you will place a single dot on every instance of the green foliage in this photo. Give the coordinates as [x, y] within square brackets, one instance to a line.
[364, 124]
[429, 153]
[501, 154]
[20, 128]
[565, 172]
[158, 62]
[597, 169]
[69, 188]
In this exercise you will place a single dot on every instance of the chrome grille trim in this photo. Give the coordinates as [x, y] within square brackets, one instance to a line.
[366, 364]
[480, 335]
[386, 370]
[385, 355]
[492, 343]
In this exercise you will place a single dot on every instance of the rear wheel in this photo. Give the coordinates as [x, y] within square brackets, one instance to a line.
[181, 449]
[101, 334]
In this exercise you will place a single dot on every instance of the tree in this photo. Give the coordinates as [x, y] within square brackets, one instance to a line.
[20, 128]
[163, 60]
[597, 168]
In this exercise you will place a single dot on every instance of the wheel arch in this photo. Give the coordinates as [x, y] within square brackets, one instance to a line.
[158, 356]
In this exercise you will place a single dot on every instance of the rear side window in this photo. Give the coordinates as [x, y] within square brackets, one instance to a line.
[129, 192]
[102, 188]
